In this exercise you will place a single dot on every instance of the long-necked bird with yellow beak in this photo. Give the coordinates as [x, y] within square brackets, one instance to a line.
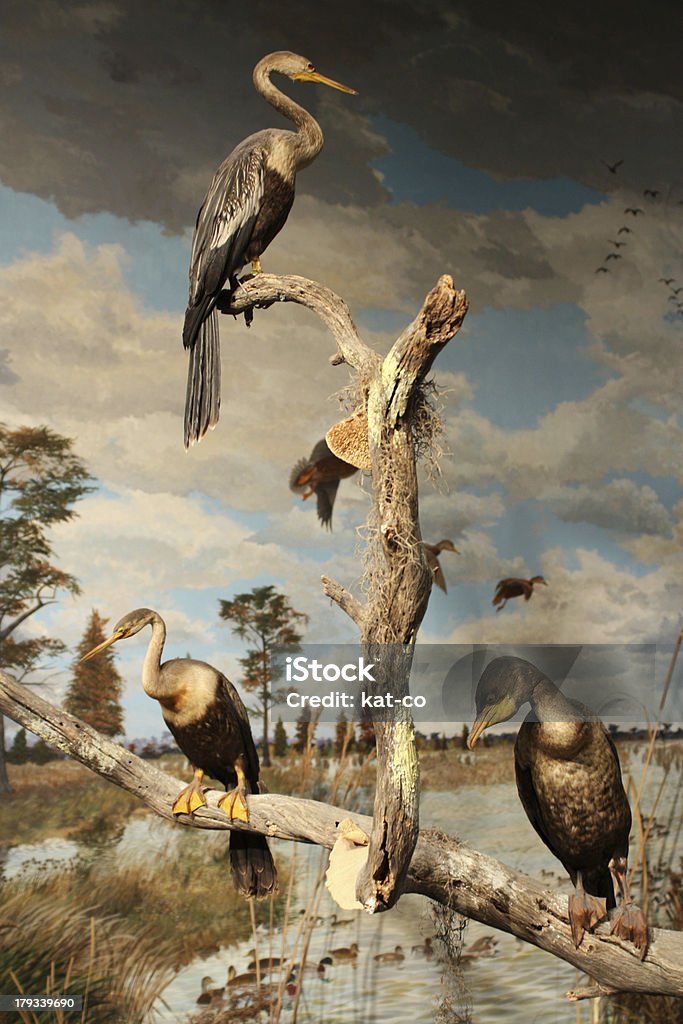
[247, 204]
[205, 714]
[569, 781]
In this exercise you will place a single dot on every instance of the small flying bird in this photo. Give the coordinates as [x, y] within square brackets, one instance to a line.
[667, 280]
[652, 192]
[247, 204]
[624, 231]
[602, 270]
[569, 781]
[612, 168]
[613, 256]
[676, 291]
[320, 474]
[634, 210]
[207, 718]
[513, 586]
[432, 551]
[617, 245]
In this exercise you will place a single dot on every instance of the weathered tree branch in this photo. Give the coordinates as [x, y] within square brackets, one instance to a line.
[346, 601]
[263, 290]
[443, 868]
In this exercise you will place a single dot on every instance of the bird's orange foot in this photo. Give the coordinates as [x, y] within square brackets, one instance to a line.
[629, 923]
[234, 804]
[191, 798]
[584, 913]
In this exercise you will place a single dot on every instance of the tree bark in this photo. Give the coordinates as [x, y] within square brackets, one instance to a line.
[443, 868]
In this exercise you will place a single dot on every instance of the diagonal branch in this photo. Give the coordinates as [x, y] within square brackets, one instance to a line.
[263, 290]
[443, 868]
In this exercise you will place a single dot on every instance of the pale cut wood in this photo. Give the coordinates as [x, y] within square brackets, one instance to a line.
[443, 868]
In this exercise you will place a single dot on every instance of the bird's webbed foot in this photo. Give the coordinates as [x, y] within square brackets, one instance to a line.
[584, 913]
[234, 803]
[629, 923]
[192, 797]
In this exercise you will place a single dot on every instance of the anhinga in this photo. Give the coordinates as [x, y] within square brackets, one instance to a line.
[569, 781]
[205, 714]
[320, 474]
[513, 586]
[247, 204]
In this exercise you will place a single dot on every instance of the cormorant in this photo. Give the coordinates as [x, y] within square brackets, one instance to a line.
[569, 781]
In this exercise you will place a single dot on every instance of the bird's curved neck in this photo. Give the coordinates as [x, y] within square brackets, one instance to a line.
[549, 703]
[308, 139]
[151, 666]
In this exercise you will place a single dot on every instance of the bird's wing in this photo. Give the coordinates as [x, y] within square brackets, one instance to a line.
[320, 451]
[501, 586]
[325, 494]
[226, 220]
[242, 721]
[528, 795]
[439, 577]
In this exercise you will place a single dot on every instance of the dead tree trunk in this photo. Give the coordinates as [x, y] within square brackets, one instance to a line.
[399, 578]
[442, 867]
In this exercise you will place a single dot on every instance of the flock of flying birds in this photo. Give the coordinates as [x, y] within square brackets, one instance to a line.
[581, 814]
[623, 239]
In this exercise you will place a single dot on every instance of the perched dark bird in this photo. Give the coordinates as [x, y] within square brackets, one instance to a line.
[602, 270]
[569, 781]
[320, 474]
[634, 210]
[515, 587]
[612, 256]
[612, 168]
[247, 204]
[432, 552]
[205, 714]
[652, 192]
[624, 230]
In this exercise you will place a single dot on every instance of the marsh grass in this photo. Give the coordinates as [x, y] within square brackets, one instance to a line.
[119, 925]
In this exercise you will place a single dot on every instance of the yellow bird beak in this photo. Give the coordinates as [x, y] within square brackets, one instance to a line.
[314, 76]
[490, 715]
[103, 646]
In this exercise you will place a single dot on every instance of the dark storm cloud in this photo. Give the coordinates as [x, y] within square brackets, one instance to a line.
[129, 107]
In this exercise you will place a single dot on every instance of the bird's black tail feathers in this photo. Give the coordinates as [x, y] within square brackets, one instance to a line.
[203, 396]
[251, 864]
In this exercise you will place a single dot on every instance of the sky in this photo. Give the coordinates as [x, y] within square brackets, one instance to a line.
[499, 143]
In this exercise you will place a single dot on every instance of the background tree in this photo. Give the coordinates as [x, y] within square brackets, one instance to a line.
[263, 617]
[94, 693]
[301, 733]
[18, 752]
[341, 729]
[40, 481]
[280, 739]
